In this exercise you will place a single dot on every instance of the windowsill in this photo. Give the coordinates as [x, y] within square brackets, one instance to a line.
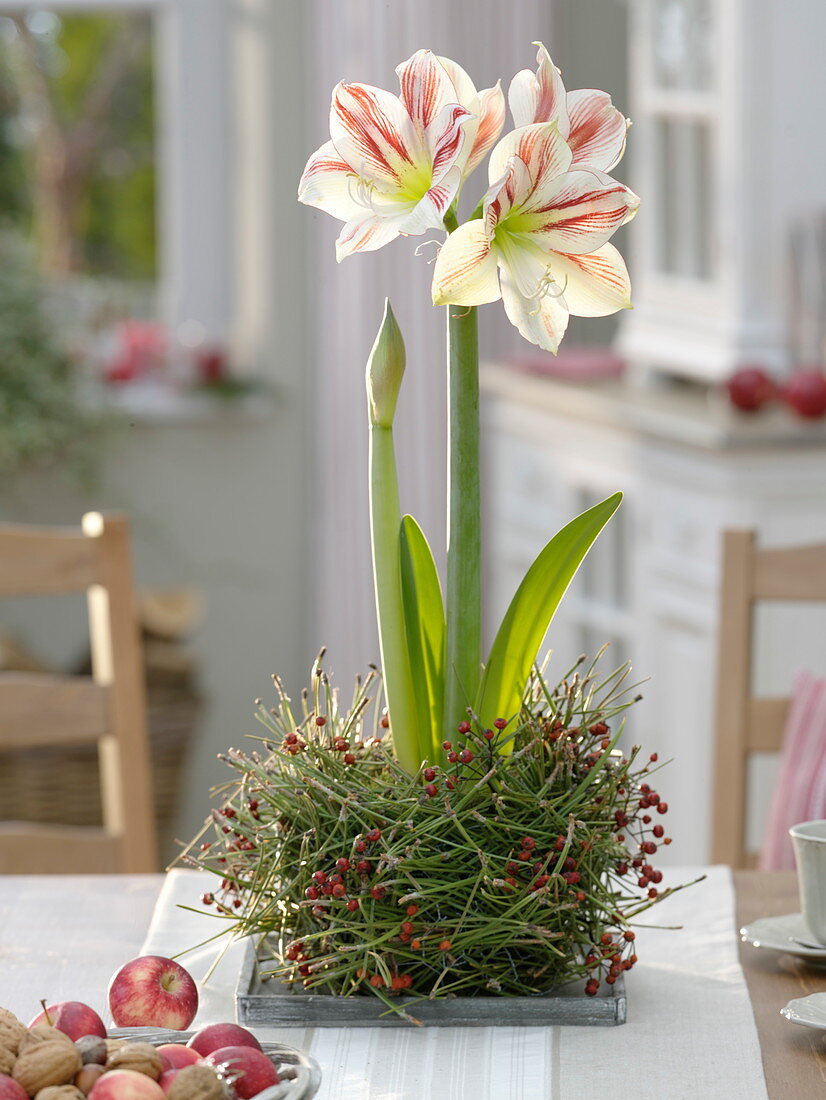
[152, 404]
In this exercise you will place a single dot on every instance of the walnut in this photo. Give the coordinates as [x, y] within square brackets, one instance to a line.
[197, 1083]
[113, 1044]
[42, 1033]
[48, 1062]
[7, 1060]
[140, 1057]
[92, 1050]
[59, 1092]
[86, 1079]
[7, 1014]
[11, 1032]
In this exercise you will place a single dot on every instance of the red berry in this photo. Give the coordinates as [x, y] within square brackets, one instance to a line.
[339, 890]
[321, 720]
[500, 723]
[466, 756]
[528, 842]
[349, 758]
[463, 727]
[658, 830]
[207, 899]
[805, 392]
[312, 893]
[412, 910]
[447, 745]
[662, 808]
[360, 846]
[374, 834]
[653, 892]
[749, 388]
[431, 790]
[430, 774]
[363, 866]
[444, 945]
[353, 904]
[416, 944]
[343, 864]
[453, 757]
[377, 981]
[653, 758]
[290, 738]
[629, 936]
[488, 735]
[407, 927]
[377, 892]
[319, 877]
[335, 879]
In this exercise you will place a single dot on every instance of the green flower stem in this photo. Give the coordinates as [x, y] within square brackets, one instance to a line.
[385, 525]
[463, 604]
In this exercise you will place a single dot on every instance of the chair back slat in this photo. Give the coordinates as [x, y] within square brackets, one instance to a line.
[766, 722]
[57, 850]
[746, 724]
[38, 562]
[798, 573]
[40, 711]
[109, 708]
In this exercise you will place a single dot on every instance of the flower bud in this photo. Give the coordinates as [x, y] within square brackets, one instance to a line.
[385, 369]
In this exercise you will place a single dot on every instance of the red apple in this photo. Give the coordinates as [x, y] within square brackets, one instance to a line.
[215, 1036]
[72, 1018]
[165, 1080]
[805, 392]
[176, 1055]
[10, 1090]
[749, 388]
[125, 1084]
[152, 991]
[254, 1069]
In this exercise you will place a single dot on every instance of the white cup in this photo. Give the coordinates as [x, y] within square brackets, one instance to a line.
[809, 839]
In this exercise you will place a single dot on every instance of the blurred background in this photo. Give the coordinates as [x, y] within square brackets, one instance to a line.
[177, 342]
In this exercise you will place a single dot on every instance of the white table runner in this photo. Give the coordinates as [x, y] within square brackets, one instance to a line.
[690, 1033]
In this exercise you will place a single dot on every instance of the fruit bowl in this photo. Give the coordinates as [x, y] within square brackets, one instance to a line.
[300, 1074]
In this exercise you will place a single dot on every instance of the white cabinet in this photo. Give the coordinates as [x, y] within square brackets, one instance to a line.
[727, 153]
[689, 469]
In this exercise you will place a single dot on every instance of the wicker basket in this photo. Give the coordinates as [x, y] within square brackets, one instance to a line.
[61, 786]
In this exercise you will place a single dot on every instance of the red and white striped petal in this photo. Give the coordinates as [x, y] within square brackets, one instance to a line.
[491, 121]
[373, 133]
[542, 320]
[577, 212]
[594, 285]
[426, 87]
[368, 233]
[429, 212]
[509, 192]
[330, 184]
[465, 271]
[542, 148]
[447, 143]
[598, 130]
[539, 96]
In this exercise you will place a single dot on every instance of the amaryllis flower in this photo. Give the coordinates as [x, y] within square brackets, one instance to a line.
[542, 241]
[587, 119]
[394, 164]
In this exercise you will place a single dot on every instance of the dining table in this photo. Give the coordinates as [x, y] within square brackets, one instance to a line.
[61, 938]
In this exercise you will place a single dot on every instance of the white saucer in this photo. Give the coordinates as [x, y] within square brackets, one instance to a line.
[807, 1011]
[779, 934]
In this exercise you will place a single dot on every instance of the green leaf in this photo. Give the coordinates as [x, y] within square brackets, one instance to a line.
[424, 620]
[531, 611]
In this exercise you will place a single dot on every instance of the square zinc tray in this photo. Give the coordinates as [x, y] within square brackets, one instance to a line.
[271, 1004]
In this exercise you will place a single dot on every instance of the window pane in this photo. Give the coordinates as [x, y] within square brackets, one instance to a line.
[682, 44]
[684, 202]
[77, 158]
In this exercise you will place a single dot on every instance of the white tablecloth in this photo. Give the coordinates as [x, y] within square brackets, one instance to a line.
[690, 1031]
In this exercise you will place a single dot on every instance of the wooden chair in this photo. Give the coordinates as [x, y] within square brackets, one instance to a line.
[747, 724]
[107, 708]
